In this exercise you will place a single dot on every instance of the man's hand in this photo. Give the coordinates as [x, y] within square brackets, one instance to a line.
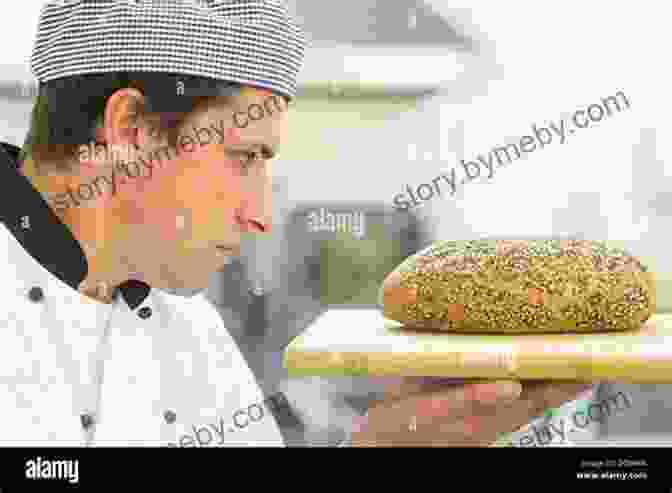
[426, 412]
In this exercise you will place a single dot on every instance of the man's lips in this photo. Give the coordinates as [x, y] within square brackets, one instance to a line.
[229, 250]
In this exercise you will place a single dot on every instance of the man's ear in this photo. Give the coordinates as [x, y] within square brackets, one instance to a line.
[120, 116]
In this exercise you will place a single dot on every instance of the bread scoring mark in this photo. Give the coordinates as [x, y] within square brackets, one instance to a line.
[455, 312]
[535, 296]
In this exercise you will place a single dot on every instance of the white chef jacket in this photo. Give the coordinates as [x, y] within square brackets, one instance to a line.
[150, 369]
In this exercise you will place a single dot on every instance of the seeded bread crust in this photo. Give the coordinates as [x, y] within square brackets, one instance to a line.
[520, 286]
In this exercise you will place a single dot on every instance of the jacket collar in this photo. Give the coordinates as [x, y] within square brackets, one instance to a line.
[42, 234]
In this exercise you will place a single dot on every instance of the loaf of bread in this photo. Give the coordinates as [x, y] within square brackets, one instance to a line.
[519, 286]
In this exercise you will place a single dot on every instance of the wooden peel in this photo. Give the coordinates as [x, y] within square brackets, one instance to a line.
[363, 343]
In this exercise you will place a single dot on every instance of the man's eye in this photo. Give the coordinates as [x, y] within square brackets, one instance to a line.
[250, 158]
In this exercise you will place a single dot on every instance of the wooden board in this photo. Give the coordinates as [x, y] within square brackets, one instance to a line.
[364, 343]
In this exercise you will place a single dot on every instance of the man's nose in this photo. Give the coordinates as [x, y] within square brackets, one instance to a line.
[255, 214]
[256, 225]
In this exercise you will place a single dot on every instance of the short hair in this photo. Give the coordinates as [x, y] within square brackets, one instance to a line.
[67, 111]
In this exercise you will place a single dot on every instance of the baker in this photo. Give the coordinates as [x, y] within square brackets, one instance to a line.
[94, 348]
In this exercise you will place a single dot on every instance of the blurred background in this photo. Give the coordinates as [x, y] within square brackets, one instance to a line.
[393, 94]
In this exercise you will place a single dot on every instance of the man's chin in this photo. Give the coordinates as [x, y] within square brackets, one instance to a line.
[182, 287]
[184, 292]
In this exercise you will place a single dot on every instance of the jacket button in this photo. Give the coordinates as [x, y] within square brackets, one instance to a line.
[170, 417]
[36, 294]
[145, 312]
[87, 421]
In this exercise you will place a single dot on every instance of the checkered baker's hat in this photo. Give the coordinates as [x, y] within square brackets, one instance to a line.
[252, 42]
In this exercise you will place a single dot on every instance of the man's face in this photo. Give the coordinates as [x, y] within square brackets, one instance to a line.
[187, 216]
